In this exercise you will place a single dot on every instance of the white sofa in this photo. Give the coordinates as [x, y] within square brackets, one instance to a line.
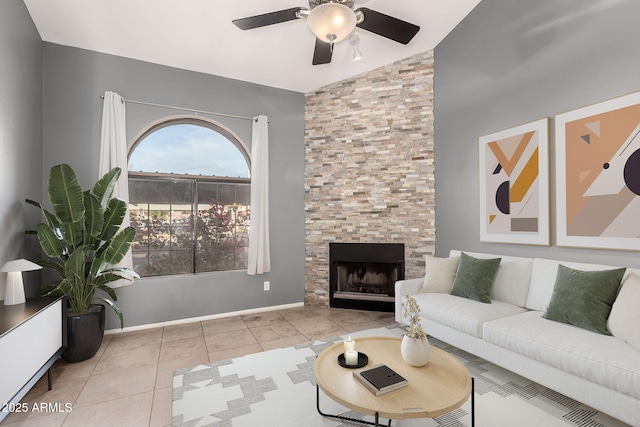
[601, 371]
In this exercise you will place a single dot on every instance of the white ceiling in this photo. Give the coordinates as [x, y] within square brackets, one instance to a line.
[198, 35]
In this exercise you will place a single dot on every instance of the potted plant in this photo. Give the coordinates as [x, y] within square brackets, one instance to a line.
[82, 239]
[415, 348]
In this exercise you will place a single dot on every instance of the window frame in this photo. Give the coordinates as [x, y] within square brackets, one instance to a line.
[191, 120]
[195, 179]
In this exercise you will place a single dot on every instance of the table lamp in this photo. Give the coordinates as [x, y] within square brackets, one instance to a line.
[14, 289]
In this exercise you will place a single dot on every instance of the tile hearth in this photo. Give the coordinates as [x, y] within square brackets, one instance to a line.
[129, 381]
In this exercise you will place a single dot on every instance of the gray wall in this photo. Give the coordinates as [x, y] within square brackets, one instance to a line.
[74, 79]
[511, 62]
[20, 136]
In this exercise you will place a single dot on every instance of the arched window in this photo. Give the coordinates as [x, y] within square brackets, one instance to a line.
[189, 198]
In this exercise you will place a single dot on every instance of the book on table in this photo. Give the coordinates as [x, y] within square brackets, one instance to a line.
[380, 379]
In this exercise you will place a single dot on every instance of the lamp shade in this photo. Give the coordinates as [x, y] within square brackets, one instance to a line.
[20, 265]
[331, 22]
[14, 288]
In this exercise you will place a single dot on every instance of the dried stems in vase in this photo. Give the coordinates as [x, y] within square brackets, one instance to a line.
[411, 311]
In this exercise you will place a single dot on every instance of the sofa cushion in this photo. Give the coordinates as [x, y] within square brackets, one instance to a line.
[463, 314]
[584, 298]
[511, 283]
[474, 278]
[602, 359]
[543, 279]
[624, 320]
[439, 273]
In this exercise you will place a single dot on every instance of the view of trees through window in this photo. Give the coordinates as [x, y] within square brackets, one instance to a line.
[189, 197]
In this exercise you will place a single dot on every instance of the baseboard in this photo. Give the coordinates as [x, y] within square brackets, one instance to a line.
[201, 318]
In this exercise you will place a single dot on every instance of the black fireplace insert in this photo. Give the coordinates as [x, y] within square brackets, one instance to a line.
[363, 275]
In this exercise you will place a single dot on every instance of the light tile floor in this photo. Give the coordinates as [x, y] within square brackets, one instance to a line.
[128, 383]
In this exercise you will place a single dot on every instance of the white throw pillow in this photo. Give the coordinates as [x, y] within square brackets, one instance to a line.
[625, 317]
[439, 274]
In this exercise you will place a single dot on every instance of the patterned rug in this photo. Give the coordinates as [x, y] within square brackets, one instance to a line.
[277, 389]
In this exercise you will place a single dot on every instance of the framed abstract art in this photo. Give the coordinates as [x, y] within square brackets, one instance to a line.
[598, 175]
[514, 185]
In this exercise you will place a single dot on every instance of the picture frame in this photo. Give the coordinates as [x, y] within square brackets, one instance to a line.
[598, 175]
[514, 185]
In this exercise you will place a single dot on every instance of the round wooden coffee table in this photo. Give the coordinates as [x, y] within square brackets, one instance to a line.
[441, 386]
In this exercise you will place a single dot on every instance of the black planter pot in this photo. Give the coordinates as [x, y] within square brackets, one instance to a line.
[84, 333]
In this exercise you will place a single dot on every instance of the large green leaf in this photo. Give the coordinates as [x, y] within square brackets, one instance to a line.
[93, 217]
[128, 273]
[65, 194]
[82, 288]
[34, 203]
[109, 275]
[75, 266]
[72, 234]
[116, 309]
[51, 219]
[60, 289]
[103, 189]
[109, 291]
[48, 290]
[119, 245]
[113, 217]
[64, 287]
[51, 245]
[104, 278]
[52, 263]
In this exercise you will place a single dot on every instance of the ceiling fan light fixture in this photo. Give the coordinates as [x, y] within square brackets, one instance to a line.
[357, 55]
[331, 22]
[354, 40]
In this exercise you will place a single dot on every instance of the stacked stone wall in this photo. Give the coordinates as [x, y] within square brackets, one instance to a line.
[369, 172]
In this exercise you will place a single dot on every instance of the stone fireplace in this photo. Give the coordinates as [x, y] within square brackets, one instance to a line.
[369, 172]
[363, 275]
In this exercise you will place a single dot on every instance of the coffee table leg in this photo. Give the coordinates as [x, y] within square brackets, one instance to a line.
[340, 417]
[473, 401]
[377, 423]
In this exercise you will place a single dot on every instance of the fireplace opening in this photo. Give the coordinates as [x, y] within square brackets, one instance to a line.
[363, 275]
[366, 278]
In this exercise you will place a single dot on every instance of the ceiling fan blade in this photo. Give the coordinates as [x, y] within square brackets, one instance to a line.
[270, 18]
[387, 26]
[322, 53]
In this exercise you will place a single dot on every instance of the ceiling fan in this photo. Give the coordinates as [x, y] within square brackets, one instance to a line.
[332, 21]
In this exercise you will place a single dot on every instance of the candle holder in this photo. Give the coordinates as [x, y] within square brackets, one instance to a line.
[363, 360]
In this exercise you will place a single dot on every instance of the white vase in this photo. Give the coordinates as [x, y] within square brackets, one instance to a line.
[415, 351]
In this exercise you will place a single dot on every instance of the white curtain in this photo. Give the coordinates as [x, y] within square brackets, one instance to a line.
[259, 255]
[113, 153]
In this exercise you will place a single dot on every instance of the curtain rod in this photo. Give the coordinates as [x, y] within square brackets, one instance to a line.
[184, 109]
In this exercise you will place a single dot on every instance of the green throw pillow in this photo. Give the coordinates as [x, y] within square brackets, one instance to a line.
[584, 298]
[474, 278]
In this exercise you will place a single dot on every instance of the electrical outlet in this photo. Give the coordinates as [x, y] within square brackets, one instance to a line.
[267, 286]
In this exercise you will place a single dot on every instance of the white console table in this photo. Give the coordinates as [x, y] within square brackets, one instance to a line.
[31, 340]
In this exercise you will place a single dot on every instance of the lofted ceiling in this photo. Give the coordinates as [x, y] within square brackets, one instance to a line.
[198, 35]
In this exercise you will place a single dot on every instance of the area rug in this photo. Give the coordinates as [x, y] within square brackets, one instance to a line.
[277, 389]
